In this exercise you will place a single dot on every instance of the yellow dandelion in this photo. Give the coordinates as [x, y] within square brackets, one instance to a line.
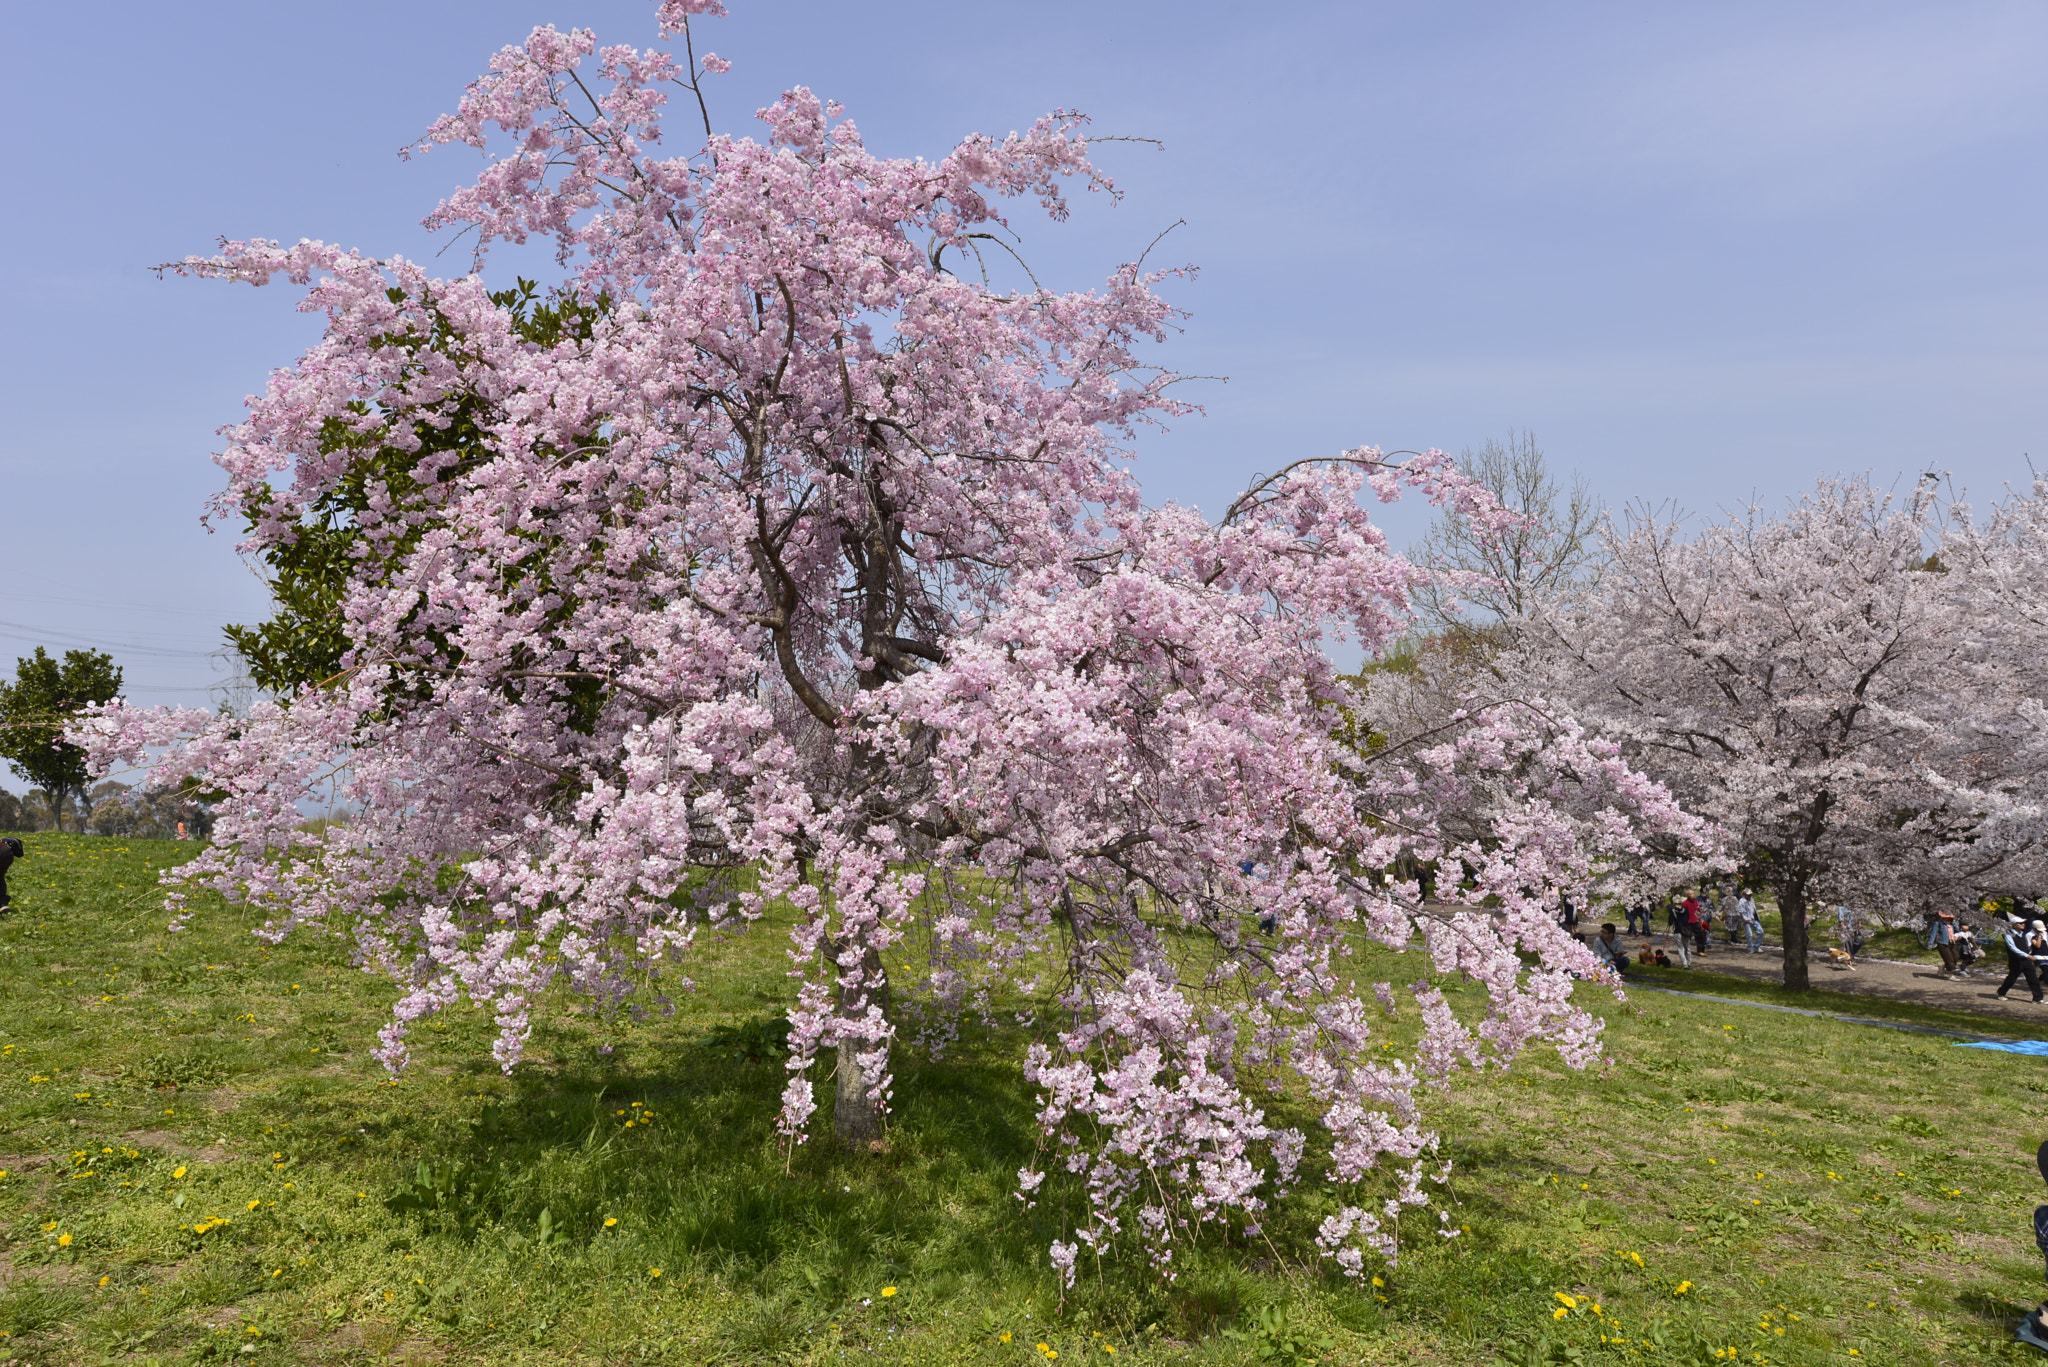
[888, 1291]
[1559, 1313]
[1003, 1337]
[177, 1173]
[1569, 1302]
[63, 1241]
[654, 1272]
[610, 1220]
[1681, 1288]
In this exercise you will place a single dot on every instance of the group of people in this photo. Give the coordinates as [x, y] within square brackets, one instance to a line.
[1956, 943]
[1690, 918]
[2026, 952]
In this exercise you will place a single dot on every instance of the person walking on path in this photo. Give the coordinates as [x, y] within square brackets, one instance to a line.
[2019, 959]
[1941, 938]
[1967, 948]
[1639, 912]
[1696, 918]
[1849, 929]
[1681, 931]
[1751, 919]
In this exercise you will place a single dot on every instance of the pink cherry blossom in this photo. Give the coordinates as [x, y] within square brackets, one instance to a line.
[810, 578]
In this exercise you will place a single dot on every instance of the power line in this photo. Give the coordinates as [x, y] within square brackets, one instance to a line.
[118, 604]
[21, 631]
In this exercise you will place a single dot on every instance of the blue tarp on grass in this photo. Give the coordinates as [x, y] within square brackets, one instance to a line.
[2010, 1046]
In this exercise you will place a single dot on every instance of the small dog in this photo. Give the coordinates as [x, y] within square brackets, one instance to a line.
[1841, 958]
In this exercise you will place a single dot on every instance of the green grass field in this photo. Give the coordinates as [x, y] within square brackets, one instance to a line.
[202, 1162]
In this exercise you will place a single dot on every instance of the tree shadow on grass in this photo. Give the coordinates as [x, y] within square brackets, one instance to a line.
[705, 1183]
[802, 1243]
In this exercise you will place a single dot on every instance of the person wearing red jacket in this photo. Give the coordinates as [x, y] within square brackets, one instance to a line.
[1696, 920]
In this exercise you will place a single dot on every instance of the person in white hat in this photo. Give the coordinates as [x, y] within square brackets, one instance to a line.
[2021, 956]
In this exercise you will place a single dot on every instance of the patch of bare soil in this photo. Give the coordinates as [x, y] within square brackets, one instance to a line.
[171, 1143]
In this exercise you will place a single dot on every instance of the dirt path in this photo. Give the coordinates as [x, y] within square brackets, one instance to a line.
[1906, 982]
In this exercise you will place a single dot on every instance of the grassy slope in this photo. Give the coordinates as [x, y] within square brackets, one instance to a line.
[1855, 1188]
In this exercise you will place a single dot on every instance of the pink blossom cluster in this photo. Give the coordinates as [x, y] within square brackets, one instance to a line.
[810, 575]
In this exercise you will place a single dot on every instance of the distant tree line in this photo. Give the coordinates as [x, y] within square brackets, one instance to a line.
[109, 808]
[45, 694]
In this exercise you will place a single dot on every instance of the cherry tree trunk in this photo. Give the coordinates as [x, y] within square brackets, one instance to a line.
[858, 1107]
[1792, 916]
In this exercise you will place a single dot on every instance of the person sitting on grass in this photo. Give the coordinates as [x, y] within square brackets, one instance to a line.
[1609, 950]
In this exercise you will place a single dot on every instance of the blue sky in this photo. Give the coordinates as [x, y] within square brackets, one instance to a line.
[1702, 251]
